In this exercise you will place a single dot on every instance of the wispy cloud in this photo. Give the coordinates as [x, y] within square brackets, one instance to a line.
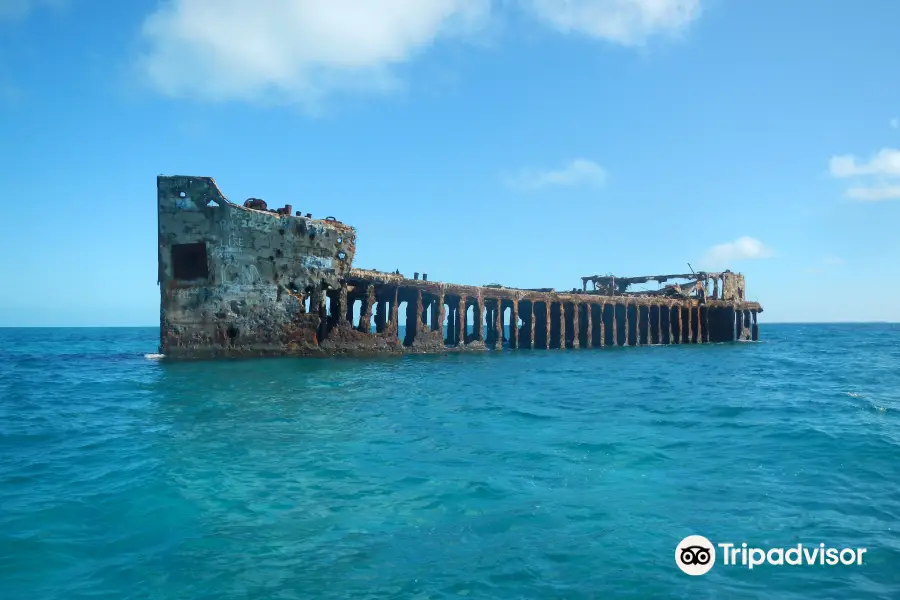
[627, 22]
[895, 123]
[302, 51]
[885, 162]
[879, 175]
[874, 193]
[579, 172]
[744, 248]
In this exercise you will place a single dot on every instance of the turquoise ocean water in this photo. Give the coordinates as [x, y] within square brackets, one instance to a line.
[530, 474]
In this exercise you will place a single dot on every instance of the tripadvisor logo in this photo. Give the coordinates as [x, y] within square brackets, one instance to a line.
[696, 555]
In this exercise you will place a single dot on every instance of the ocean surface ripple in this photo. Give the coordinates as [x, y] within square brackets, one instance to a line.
[532, 474]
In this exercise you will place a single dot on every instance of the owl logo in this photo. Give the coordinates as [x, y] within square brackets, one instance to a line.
[695, 555]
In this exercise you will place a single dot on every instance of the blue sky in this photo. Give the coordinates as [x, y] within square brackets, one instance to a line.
[526, 142]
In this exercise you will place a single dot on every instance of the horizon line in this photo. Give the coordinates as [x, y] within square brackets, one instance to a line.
[505, 324]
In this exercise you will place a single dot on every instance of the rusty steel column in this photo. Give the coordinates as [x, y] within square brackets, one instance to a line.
[676, 312]
[576, 331]
[562, 325]
[649, 324]
[615, 324]
[589, 325]
[498, 325]
[637, 326]
[451, 326]
[479, 320]
[659, 327]
[514, 325]
[423, 310]
[420, 314]
[672, 323]
[438, 314]
[347, 309]
[342, 308]
[531, 343]
[603, 324]
[669, 320]
[627, 328]
[461, 321]
[706, 324]
[395, 310]
[690, 324]
[317, 306]
[547, 304]
[365, 319]
[699, 325]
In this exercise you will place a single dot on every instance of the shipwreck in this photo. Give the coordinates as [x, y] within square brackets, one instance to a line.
[249, 280]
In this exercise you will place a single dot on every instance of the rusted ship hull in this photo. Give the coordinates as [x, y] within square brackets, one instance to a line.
[248, 281]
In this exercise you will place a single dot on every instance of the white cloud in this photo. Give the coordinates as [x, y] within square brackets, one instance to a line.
[303, 50]
[17, 9]
[895, 123]
[743, 248]
[292, 49]
[875, 193]
[579, 172]
[627, 22]
[885, 162]
[879, 175]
